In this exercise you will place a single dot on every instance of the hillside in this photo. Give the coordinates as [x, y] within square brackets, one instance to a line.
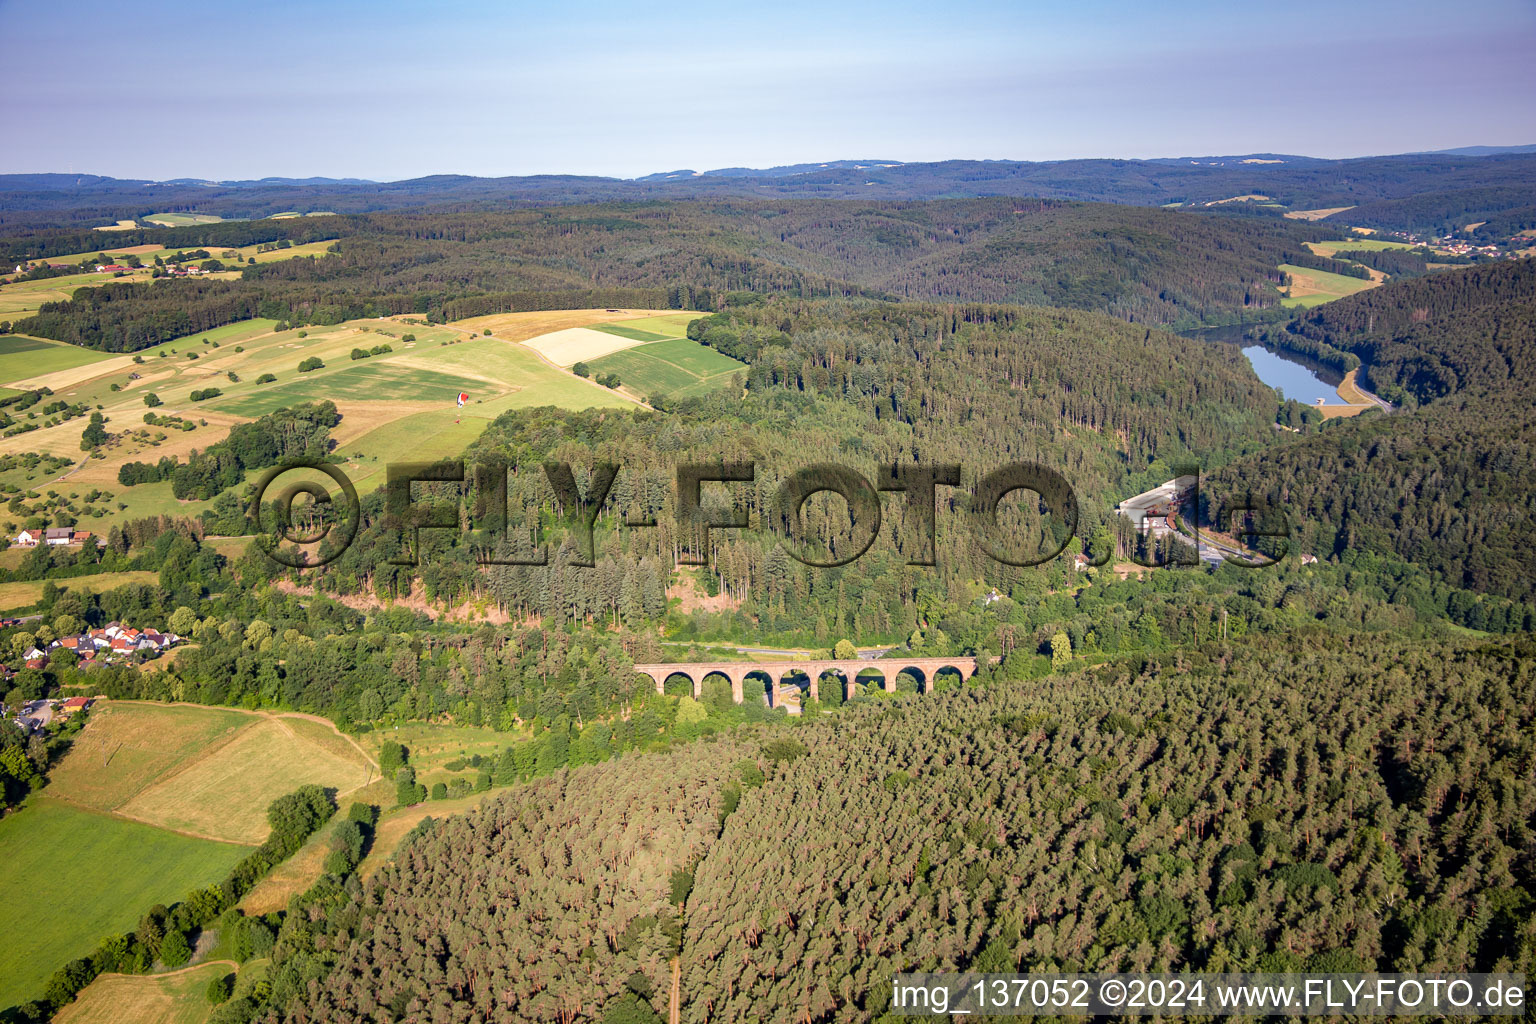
[1272, 807]
[1444, 483]
[1144, 265]
[1109, 406]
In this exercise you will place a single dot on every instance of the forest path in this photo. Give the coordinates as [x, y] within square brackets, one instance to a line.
[674, 1009]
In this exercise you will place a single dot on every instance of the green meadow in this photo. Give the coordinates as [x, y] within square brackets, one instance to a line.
[1315, 287]
[74, 878]
[676, 367]
[179, 220]
[364, 381]
[22, 357]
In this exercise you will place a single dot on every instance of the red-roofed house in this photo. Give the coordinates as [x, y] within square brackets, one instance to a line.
[74, 704]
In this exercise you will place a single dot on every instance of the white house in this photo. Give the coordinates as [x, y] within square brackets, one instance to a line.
[29, 538]
[59, 536]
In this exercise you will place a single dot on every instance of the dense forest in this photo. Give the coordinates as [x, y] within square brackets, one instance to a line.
[1144, 265]
[1275, 806]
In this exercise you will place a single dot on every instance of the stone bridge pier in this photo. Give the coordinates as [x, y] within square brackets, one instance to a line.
[925, 669]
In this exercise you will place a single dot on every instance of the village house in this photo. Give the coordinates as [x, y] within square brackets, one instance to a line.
[29, 538]
[59, 536]
[115, 639]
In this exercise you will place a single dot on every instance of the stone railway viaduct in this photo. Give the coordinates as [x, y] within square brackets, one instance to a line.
[774, 672]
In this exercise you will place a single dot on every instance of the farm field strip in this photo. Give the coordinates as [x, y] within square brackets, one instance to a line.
[22, 356]
[1315, 287]
[208, 772]
[579, 344]
[26, 593]
[175, 997]
[673, 367]
[224, 796]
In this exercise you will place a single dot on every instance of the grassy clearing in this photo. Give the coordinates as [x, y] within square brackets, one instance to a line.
[431, 746]
[675, 367]
[1314, 287]
[1316, 214]
[180, 220]
[178, 997]
[224, 795]
[22, 357]
[1355, 245]
[25, 594]
[74, 877]
[296, 874]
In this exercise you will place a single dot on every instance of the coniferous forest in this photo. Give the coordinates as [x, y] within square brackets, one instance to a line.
[1275, 806]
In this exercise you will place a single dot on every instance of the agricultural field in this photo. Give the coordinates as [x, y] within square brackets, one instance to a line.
[225, 794]
[26, 593]
[129, 746]
[176, 997]
[203, 771]
[1314, 287]
[579, 344]
[73, 877]
[22, 357]
[394, 405]
[676, 367]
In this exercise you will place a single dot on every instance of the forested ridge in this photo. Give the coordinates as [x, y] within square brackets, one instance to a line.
[1446, 481]
[34, 203]
[1320, 803]
[1144, 265]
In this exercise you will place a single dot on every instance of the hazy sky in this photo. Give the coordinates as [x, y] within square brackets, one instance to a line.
[386, 90]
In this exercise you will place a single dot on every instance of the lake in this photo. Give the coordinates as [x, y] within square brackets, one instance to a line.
[1297, 377]
[1293, 379]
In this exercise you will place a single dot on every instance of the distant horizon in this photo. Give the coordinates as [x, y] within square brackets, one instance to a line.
[341, 179]
[392, 91]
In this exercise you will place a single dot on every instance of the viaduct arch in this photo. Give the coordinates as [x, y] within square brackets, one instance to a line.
[776, 671]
